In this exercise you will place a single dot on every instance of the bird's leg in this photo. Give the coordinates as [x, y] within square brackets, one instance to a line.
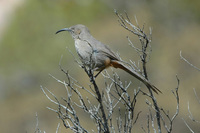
[98, 73]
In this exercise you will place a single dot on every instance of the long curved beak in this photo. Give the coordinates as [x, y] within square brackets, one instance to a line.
[64, 29]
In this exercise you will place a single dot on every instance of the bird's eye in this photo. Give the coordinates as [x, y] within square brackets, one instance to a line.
[78, 31]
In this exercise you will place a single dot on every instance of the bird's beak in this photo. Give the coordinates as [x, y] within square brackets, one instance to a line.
[64, 29]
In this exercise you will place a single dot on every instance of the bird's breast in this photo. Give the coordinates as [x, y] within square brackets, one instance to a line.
[83, 49]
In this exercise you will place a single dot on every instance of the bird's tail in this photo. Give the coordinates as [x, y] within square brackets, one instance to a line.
[119, 64]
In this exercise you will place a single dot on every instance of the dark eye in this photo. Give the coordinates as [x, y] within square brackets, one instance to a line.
[77, 31]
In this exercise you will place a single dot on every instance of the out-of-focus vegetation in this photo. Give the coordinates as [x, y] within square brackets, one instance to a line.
[30, 50]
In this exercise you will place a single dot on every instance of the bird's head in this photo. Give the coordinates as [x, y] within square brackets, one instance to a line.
[76, 31]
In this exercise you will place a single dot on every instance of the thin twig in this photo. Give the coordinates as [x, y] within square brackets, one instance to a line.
[188, 62]
[188, 126]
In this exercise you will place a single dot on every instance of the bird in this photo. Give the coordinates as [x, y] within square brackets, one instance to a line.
[98, 56]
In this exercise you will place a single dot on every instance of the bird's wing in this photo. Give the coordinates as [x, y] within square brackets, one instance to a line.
[108, 53]
[102, 48]
[105, 50]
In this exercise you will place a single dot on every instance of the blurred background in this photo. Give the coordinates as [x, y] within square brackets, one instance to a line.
[30, 51]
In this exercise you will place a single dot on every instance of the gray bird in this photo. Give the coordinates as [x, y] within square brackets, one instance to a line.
[97, 55]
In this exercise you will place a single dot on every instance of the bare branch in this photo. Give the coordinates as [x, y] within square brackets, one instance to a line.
[58, 127]
[197, 97]
[57, 103]
[188, 126]
[37, 129]
[188, 62]
[176, 95]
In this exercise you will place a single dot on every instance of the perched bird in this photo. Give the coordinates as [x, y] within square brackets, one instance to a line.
[97, 55]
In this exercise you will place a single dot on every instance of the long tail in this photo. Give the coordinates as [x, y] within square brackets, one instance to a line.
[119, 64]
